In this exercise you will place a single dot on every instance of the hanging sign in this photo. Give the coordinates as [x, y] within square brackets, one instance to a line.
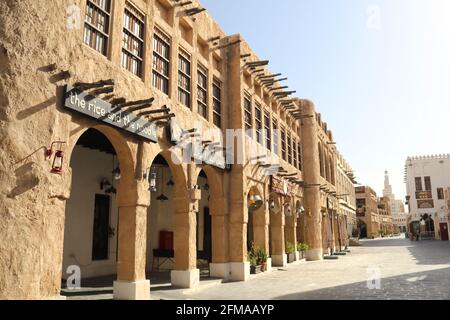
[101, 110]
[282, 186]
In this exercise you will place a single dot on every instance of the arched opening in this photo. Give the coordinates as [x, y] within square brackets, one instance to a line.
[427, 229]
[362, 229]
[204, 225]
[257, 232]
[161, 225]
[101, 170]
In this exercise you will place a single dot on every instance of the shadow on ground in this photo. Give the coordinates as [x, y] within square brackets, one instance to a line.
[430, 285]
[425, 252]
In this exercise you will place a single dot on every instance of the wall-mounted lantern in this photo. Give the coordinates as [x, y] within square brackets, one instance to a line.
[254, 201]
[116, 173]
[58, 160]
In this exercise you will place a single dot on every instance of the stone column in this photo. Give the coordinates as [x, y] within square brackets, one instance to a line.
[261, 228]
[277, 222]
[185, 274]
[131, 283]
[311, 173]
[239, 266]
[220, 265]
[290, 230]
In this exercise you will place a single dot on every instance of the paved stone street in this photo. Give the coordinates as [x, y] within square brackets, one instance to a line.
[409, 270]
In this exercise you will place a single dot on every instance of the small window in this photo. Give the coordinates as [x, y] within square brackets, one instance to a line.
[248, 115]
[184, 78]
[418, 182]
[427, 184]
[202, 91]
[283, 144]
[96, 25]
[161, 61]
[258, 123]
[275, 137]
[289, 148]
[268, 133]
[440, 193]
[299, 155]
[217, 103]
[295, 154]
[133, 40]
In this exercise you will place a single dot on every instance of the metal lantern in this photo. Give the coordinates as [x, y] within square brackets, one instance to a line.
[152, 181]
[57, 166]
[254, 201]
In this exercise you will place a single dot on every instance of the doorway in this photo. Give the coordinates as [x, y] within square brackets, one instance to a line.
[444, 231]
[206, 253]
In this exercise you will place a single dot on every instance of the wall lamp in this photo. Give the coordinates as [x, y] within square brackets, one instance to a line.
[58, 160]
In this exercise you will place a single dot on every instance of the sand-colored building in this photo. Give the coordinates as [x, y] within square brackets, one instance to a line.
[385, 216]
[138, 130]
[345, 186]
[367, 212]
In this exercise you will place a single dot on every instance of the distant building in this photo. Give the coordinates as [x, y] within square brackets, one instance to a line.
[367, 212]
[385, 216]
[426, 178]
[397, 207]
[346, 194]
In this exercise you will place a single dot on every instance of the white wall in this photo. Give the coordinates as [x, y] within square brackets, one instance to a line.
[161, 216]
[89, 168]
[436, 167]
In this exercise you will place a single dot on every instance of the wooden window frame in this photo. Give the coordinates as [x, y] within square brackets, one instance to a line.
[217, 102]
[91, 25]
[160, 80]
[135, 17]
[202, 106]
[184, 89]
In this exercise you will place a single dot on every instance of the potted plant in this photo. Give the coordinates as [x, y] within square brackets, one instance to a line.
[302, 247]
[261, 259]
[254, 267]
[258, 259]
[290, 251]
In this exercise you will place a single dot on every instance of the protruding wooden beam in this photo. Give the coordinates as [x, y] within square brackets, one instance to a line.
[132, 103]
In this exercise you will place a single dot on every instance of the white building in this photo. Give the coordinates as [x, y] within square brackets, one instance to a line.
[427, 177]
[397, 207]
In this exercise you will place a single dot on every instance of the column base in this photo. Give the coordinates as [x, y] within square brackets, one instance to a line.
[240, 271]
[314, 254]
[269, 265]
[126, 290]
[279, 260]
[220, 270]
[188, 279]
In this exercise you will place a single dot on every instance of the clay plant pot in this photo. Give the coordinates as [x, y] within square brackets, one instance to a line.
[264, 267]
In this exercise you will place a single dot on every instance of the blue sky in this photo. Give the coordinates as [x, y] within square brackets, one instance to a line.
[378, 71]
